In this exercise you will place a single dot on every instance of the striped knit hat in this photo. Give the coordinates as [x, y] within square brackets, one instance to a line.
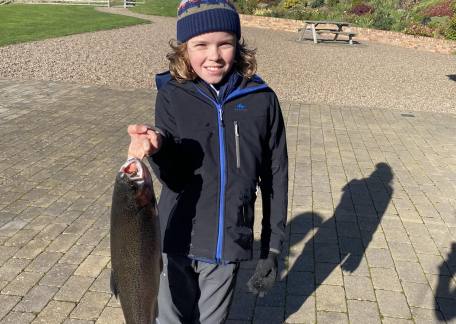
[196, 17]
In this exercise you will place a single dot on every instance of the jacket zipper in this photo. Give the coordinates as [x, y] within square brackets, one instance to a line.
[221, 129]
[221, 126]
[236, 138]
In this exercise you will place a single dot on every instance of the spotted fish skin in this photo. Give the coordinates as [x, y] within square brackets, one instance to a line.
[135, 243]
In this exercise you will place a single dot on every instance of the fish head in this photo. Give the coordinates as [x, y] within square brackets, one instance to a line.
[137, 176]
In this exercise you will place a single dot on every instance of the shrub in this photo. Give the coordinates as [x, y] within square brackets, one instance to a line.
[440, 10]
[316, 3]
[419, 30]
[288, 4]
[362, 9]
[332, 3]
[247, 6]
[451, 31]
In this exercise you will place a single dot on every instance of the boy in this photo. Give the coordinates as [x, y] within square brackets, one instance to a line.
[219, 134]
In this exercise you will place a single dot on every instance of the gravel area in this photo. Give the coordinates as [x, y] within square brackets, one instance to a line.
[364, 75]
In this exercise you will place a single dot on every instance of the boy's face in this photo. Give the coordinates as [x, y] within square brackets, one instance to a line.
[212, 55]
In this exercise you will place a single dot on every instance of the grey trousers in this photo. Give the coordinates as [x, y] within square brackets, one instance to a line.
[195, 292]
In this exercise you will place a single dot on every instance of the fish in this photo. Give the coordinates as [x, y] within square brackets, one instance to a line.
[136, 261]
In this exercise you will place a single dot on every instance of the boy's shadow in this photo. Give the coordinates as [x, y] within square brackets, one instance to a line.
[318, 246]
[446, 289]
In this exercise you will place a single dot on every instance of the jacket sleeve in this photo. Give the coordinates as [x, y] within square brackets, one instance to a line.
[274, 183]
[165, 162]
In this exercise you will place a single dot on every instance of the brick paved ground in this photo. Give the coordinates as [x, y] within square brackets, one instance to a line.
[372, 211]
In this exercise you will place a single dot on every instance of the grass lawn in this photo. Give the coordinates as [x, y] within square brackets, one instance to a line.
[23, 23]
[158, 8]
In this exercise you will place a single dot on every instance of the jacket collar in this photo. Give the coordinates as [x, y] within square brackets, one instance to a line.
[233, 84]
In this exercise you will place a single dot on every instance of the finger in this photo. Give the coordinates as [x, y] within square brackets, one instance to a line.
[146, 147]
[137, 129]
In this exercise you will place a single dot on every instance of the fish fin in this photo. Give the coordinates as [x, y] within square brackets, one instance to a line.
[113, 285]
[156, 312]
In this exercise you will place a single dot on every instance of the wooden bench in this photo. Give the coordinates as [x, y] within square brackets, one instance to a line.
[337, 33]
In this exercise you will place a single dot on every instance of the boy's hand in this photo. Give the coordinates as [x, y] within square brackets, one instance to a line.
[144, 141]
[264, 276]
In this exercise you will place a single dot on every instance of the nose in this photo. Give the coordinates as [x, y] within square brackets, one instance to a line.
[213, 53]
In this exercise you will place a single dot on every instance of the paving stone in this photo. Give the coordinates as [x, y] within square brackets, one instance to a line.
[392, 304]
[426, 316]
[54, 312]
[433, 264]
[90, 306]
[331, 299]
[44, 262]
[448, 308]
[36, 299]
[12, 227]
[92, 266]
[379, 258]
[31, 249]
[12, 268]
[113, 315]
[74, 289]
[93, 236]
[300, 283]
[275, 297]
[332, 317]
[102, 283]
[62, 243]
[6, 252]
[77, 321]
[392, 320]
[419, 295]
[359, 288]
[21, 238]
[363, 312]
[300, 309]
[385, 279]
[18, 318]
[103, 248]
[22, 284]
[425, 246]
[58, 275]
[355, 266]
[328, 274]
[410, 271]
[268, 314]
[402, 252]
[51, 231]
[7, 303]
[301, 262]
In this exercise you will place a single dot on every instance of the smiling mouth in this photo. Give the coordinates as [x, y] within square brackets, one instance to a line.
[213, 68]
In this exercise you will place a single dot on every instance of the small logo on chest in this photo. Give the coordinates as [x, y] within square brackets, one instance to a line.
[241, 106]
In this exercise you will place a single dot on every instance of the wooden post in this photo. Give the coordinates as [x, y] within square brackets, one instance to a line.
[314, 33]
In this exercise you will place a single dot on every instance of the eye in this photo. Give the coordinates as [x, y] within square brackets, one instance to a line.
[226, 45]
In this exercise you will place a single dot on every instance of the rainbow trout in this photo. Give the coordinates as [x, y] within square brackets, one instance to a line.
[135, 243]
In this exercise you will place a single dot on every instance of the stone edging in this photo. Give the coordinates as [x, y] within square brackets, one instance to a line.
[363, 34]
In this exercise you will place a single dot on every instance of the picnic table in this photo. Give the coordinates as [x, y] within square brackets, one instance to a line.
[311, 25]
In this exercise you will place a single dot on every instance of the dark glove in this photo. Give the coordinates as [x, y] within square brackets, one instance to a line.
[265, 275]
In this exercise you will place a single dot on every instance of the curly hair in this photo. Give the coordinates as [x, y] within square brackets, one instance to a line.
[181, 70]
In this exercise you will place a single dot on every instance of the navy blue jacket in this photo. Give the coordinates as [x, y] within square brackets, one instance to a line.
[216, 150]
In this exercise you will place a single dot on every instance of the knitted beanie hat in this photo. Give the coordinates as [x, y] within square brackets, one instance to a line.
[196, 17]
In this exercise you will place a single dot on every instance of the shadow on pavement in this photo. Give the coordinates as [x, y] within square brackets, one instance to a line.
[446, 289]
[452, 77]
[340, 240]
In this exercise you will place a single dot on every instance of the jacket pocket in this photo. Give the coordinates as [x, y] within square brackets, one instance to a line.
[238, 149]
